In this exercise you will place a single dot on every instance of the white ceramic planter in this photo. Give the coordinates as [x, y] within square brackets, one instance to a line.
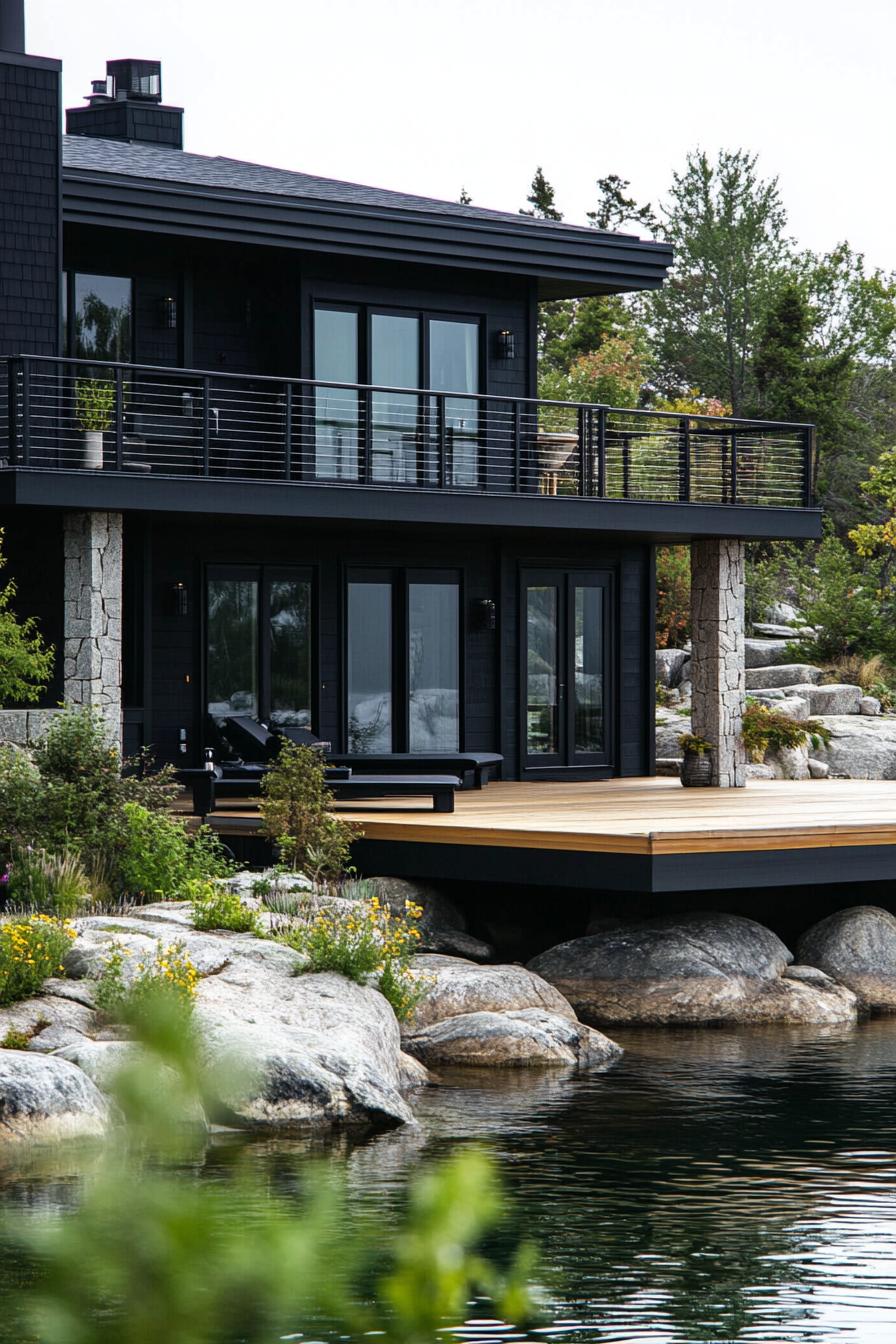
[93, 448]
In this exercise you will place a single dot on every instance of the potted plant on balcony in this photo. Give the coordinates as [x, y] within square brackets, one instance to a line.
[696, 768]
[94, 407]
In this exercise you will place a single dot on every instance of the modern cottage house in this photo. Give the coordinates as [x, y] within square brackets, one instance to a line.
[270, 445]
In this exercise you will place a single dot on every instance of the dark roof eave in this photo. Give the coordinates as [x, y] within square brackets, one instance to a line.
[565, 260]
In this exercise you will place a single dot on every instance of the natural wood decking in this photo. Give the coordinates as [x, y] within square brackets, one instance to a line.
[648, 817]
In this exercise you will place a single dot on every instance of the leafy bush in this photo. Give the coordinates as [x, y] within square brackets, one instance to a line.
[845, 596]
[765, 730]
[31, 949]
[295, 813]
[131, 997]
[26, 662]
[158, 856]
[53, 884]
[673, 596]
[216, 908]
[366, 942]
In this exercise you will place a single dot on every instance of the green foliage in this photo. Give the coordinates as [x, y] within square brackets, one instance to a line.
[365, 943]
[691, 744]
[158, 857]
[167, 1250]
[31, 949]
[844, 596]
[295, 813]
[94, 403]
[26, 662]
[73, 799]
[541, 198]
[726, 226]
[765, 730]
[51, 884]
[15, 1040]
[770, 567]
[673, 596]
[214, 907]
[131, 992]
[616, 210]
[613, 374]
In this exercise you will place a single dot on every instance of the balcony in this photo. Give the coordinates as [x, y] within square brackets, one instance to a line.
[139, 425]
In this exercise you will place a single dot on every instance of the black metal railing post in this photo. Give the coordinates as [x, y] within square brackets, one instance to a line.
[287, 433]
[809, 466]
[367, 436]
[206, 427]
[26, 411]
[684, 459]
[602, 452]
[441, 442]
[12, 413]
[517, 448]
[733, 466]
[119, 418]
[582, 422]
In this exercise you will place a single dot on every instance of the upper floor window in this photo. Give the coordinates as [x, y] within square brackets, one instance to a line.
[98, 313]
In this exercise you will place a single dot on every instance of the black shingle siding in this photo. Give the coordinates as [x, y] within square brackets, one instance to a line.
[30, 139]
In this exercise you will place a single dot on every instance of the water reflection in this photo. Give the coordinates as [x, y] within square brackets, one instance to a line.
[718, 1185]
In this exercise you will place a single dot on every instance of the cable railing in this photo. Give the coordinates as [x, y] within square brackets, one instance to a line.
[74, 415]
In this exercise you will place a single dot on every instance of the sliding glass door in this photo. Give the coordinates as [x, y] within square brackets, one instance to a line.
[259, 644]
[403, 661]
[566, 668]
[336, 409]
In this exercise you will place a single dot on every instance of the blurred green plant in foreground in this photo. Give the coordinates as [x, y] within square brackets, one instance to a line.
[154, 1252]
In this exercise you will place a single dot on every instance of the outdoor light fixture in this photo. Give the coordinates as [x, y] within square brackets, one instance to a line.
[505, 343]
[484, 614]
[168, 312]
[181, 599]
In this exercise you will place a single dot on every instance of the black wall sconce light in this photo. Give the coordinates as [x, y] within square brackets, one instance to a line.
[168, 312]
[505, 344]
[483, 614]
[181, 596]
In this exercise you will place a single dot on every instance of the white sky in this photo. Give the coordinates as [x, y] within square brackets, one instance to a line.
[431, 95]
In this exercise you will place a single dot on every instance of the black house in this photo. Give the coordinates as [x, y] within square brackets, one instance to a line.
[270, 444]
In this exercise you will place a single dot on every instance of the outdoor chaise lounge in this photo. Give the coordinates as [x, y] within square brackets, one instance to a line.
[255, 742]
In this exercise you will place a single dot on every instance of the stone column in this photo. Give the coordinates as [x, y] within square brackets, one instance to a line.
[92, 549]
[718, 661]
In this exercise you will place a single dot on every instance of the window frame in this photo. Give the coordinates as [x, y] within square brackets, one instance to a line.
[401, 577]
[263, 574]
[69, 277]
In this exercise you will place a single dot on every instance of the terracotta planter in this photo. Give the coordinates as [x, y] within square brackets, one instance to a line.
[696, 770]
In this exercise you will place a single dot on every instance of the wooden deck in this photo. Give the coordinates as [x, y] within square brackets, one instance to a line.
[644, 834]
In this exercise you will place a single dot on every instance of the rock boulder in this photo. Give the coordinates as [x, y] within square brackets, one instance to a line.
[857, 947]
[44, 1099]
[784, 674]
[455, 987]
[523, 1038]
[765, 652]
[669, 663]
[694, 968]
[860, 747]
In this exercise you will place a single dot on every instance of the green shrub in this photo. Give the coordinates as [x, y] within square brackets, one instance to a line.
[53, 884]
[31, 949]
[365, 943]
[26, 662]
[689, 742]
[15, 1039]
[158, 857]
[295, 814]
[131, 997]
[765, 730]
[216, 908]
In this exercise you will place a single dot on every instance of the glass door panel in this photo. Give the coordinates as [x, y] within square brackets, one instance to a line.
[433, 666]
[394, 362]
[232, 647]
[542, 671]
[289, 642]
[369, 666]
[588, 658]
[336, 410]
[454, 367]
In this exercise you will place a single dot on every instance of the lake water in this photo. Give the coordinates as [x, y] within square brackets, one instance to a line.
[716, 1185]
